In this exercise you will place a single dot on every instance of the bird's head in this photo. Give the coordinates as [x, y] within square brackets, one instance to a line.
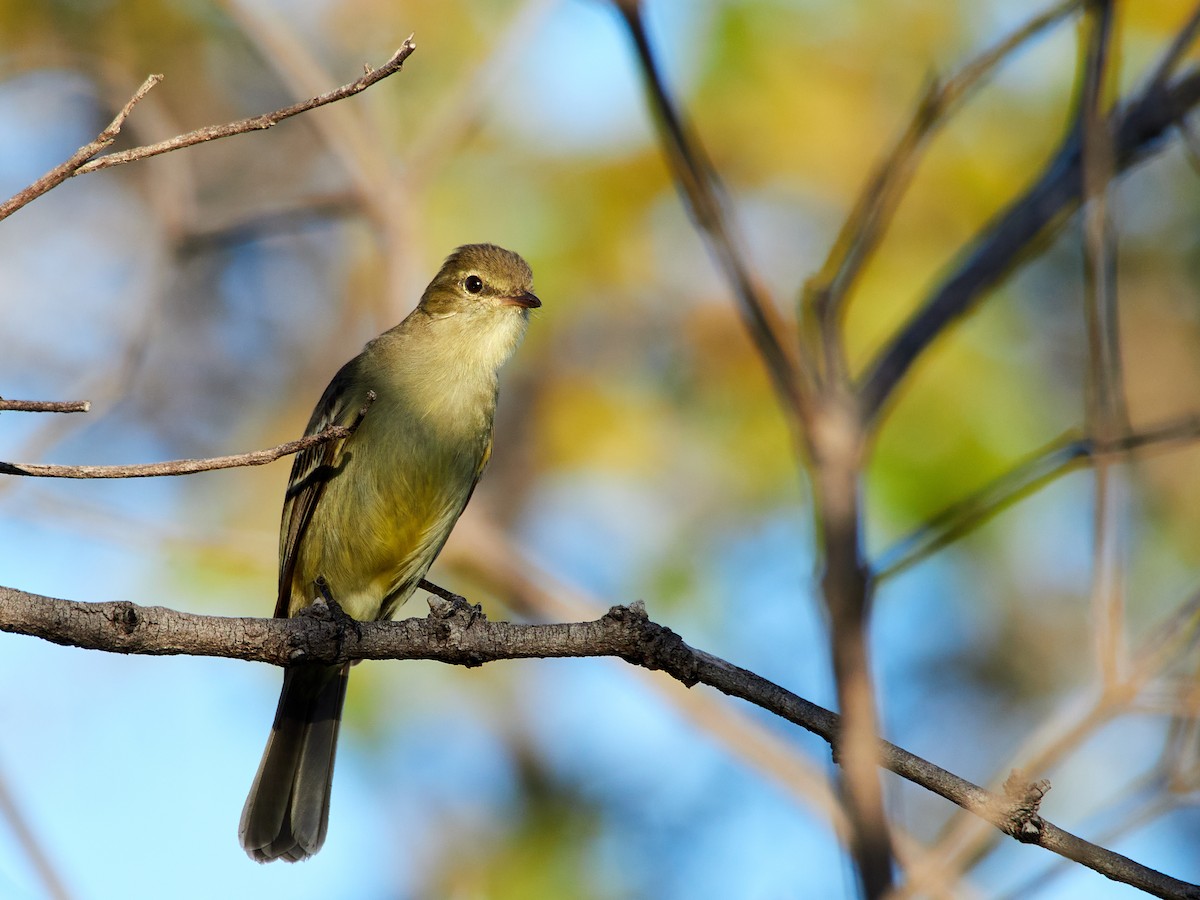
[481, 279]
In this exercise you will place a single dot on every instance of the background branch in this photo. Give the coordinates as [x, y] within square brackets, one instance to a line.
[1106, 406]
[826, 293]
[702, 193]
[40, 859]
[1064, 455]
[1137, 128]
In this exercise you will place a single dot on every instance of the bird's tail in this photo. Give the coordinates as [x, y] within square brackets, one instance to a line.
[287, 811]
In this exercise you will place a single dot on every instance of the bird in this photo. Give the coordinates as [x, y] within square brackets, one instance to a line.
[365, 516]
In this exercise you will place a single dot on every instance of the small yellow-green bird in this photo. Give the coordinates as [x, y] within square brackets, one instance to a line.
[369, 514]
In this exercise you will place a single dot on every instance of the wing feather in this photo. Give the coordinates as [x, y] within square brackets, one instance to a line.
[311, 471]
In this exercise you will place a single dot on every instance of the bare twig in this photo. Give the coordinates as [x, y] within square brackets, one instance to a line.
[76, 161]
[55, 406]
[82, 160]
[466, 638]
[357, 137]
[1148, 810]
[702, 193]
[179, 466]
[257, 123]
[344, 128]
[829, 430]
[1138, 128]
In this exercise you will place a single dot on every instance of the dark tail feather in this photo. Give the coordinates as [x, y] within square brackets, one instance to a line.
[287, 811]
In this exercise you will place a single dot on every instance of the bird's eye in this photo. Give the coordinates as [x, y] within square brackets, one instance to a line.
[473, 284]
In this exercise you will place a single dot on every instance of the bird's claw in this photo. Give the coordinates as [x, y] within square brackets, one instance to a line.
[326, 607]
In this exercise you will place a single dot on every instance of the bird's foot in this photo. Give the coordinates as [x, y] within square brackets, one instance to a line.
[326, 607]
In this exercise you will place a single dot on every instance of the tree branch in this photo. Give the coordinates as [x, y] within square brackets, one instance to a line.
[825, 294]
[703, 195]
[57, 406]
[65, 170]
[1137, 128]
[459, 634]
[1066, 454]
[41, 860]
[179, 466]
[82, 160]
[1107, 409]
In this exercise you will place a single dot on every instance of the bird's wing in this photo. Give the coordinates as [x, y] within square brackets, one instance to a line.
[311, 471]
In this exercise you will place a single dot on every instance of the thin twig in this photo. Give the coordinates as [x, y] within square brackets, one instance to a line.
[40, 860]
[964, 516]
[260, 122]
[1150, 809]
[465, 637]
[178, 466]
[53, 406]
[76, 161]
[82, 160]
[836, 472]
[346, 129]
[792, 374]
[1064, 455]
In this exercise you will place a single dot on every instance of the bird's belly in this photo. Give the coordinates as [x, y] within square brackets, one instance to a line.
[376, 530]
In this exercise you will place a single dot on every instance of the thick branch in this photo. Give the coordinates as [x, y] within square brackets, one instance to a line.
[837, 463]
[459, 634]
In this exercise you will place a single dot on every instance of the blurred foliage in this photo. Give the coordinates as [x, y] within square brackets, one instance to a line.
[203, 300]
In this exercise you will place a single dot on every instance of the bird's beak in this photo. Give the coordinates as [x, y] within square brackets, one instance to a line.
[526, 300]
